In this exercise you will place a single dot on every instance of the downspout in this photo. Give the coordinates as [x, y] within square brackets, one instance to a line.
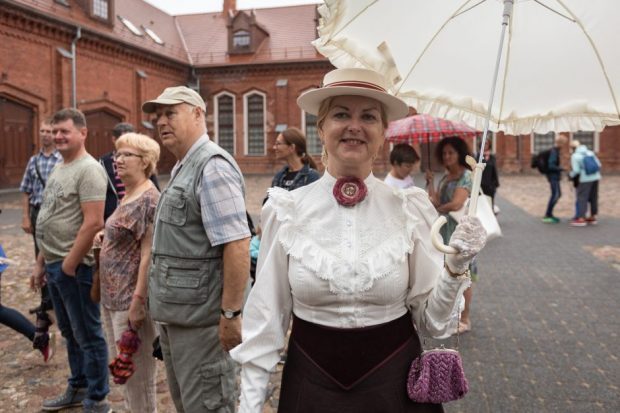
[78, 34]
[196, 79]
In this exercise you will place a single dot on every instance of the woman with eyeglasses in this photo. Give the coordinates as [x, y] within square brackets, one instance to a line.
[124, 261]
[300, 169]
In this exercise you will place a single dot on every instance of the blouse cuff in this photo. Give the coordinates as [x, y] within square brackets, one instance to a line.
[254, 382]
[441, 304]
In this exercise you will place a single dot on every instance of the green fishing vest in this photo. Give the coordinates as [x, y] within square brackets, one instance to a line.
[185, 277]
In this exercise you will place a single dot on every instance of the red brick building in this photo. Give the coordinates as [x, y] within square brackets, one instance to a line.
[249, 65]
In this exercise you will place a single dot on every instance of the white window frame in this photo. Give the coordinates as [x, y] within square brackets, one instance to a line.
[216, 121]
[478, 140]
[242, 33]
[596, 140]
[245, 122]
[97, 7]
[532, 135]
[303, 128]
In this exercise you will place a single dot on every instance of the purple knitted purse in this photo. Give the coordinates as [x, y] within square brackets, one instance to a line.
[437, 376]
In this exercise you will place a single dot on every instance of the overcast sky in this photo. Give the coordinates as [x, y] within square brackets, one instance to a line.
[204, 6]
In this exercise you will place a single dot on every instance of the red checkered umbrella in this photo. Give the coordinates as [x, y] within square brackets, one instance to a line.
[423, 128]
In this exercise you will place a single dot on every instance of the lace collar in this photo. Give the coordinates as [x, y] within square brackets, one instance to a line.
[348, 247]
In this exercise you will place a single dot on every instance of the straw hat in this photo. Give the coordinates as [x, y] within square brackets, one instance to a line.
[355, 82]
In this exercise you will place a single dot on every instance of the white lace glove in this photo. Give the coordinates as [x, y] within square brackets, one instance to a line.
[468, 238]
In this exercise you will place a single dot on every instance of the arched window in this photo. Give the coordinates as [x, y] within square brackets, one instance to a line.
[308, 125]
[313, 142]
[224, 104]
[241, 39]
[254, 119]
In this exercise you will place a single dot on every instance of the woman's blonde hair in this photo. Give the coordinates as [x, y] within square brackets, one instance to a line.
[145, 145]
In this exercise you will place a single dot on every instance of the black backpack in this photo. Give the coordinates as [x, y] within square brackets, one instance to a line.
[541, 161]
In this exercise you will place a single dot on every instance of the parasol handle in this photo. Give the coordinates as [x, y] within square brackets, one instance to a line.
[471, 211]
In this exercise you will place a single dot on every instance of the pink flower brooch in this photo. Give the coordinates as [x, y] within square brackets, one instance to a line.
[349, 191]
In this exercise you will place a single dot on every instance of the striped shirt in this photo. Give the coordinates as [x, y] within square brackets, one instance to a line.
[222, 200]
[31, 184]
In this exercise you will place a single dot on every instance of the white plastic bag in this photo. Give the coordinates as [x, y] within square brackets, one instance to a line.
[484, 213]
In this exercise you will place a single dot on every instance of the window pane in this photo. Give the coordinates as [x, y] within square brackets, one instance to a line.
[225, 124]
[543, 141]
[241, 39]
[477, 141]
[312, 135]
[256, 125]
[585, 138]
[100, 8]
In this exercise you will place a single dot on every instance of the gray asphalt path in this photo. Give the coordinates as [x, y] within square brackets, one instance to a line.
[545, 321]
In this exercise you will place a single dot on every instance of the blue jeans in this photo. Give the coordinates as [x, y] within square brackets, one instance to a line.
[556, 193]
[79, 323]
[16, 320]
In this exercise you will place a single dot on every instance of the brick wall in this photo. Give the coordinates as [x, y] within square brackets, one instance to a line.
[34, 73]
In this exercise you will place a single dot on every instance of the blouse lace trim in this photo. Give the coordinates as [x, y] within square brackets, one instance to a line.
[382, 248]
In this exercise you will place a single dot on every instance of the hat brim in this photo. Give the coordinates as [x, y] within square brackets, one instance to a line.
[151, 105]
[311, 100]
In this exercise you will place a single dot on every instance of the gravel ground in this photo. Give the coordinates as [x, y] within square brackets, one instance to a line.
[26, 380]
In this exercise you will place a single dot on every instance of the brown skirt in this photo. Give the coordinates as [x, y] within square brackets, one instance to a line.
[362, 370]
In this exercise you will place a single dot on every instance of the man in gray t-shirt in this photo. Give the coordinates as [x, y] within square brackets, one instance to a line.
[70, 216]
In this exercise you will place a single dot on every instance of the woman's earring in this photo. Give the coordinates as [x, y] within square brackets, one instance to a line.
[324, 156]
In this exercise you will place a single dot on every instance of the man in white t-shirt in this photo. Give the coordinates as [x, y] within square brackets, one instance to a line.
[404, 160]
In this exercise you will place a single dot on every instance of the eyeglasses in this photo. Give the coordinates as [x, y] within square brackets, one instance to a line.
[119, 155]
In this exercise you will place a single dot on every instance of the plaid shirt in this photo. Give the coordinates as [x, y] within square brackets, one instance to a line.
[222, 202]
[31, 184]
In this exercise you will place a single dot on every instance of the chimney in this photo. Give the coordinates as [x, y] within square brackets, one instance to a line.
[229, 8]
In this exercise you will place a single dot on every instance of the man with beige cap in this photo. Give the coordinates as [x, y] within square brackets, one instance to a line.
[200, 258]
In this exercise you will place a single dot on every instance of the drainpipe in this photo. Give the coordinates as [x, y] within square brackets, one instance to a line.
[78, 34]
[196, 79]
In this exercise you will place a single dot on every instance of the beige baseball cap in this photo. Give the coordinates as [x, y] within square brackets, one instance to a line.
[173, 96]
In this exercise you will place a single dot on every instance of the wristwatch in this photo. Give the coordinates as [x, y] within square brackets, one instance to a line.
[230, 314]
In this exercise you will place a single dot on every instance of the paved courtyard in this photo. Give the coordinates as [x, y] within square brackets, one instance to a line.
[545, 312]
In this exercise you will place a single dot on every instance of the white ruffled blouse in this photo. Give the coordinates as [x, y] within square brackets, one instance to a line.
[341, 267]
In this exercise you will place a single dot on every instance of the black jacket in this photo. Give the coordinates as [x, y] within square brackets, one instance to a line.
[490, 178]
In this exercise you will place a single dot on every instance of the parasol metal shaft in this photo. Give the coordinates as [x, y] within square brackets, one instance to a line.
[506, 14]
[471, 211]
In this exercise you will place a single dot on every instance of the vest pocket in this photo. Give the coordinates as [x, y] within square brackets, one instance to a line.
[184, 285]
[174, 207]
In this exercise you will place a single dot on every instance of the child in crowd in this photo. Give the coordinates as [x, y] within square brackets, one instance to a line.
[404, 160]
[18, 322]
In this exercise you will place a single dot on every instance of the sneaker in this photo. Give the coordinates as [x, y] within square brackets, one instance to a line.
[591, 221]
[551, 220]
[50, 349]
[96, 407]
[71, 397]
[578, 222]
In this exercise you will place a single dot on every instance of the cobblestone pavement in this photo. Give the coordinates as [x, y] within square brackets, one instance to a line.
[545, 312]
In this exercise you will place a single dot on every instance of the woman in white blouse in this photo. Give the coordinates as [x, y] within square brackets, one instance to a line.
[350, 260]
